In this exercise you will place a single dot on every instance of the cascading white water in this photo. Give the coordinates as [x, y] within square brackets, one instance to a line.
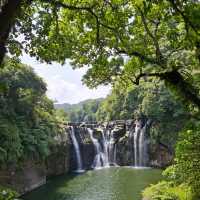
[112, 149]
[99, 157]
[77, 149]
[140, 145]
[109, 147]
[106, 149]
[144, 157]
[105, 156]
[105, 146]
[136, 135]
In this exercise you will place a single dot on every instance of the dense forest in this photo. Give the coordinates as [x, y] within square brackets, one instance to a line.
[147, 50]
[28, 120]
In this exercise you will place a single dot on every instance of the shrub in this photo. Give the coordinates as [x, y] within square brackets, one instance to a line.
[8, 194]
[186, 168]
[167, 191]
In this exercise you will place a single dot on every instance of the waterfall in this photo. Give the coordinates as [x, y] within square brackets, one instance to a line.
[140, 145]
[109, 147]
[99, 157]
[105, 146]
[108, 143]
[136, 137]
[143, 144]
[77, 149]
[112, 148]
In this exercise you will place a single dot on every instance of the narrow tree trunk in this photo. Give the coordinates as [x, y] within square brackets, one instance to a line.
[7, 16]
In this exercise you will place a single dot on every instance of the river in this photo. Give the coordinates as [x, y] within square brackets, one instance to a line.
[114, 183]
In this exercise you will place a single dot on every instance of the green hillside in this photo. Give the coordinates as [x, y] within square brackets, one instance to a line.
[82, 111]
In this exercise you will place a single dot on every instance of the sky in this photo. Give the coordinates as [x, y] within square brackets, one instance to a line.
[63, 83]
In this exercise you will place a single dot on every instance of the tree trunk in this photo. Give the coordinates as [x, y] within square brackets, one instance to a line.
[7, 16]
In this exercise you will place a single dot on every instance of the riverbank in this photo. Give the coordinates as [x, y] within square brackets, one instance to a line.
[114, 183]
[32, 174]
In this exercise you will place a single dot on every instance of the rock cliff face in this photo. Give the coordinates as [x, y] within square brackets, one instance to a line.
[58, 162]
[159, 155]
[28, 177]
[32, 174]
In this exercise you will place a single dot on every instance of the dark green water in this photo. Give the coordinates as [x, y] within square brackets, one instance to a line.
[116, 183]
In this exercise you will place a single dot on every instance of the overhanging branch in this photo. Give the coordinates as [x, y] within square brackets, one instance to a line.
[185, 89]
[159, 55]
[139, 55]
[88, 9]
[185, 18]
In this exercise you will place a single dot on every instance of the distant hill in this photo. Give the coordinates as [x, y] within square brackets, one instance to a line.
[82, 111]
[64, 106]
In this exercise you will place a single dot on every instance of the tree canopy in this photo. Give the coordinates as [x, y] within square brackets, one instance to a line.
[116, 39]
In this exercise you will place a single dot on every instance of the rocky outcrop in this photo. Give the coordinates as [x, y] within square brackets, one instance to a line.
[32, 174]
[58, 161]
[123, 134]
[86, 148]
[28, 177]
[160, 156]
[125, 152]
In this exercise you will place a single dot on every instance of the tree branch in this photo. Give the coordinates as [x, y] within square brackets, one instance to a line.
[139, 55]
[159, 55]
[185, 89]
[185, 18]
[137, 79]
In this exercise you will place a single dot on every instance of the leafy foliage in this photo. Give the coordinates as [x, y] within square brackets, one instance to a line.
[185, 170]
[187, 160]
[167, 191]
[27, 120]
[116, 40]
[8, 194]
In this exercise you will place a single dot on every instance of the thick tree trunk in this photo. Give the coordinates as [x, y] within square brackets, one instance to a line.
[7, 16]
[188, 91]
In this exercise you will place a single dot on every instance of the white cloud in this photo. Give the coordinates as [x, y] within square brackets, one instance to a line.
[63, 83]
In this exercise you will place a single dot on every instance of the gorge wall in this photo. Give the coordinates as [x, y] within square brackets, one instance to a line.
[33, 173]
[122, 143]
